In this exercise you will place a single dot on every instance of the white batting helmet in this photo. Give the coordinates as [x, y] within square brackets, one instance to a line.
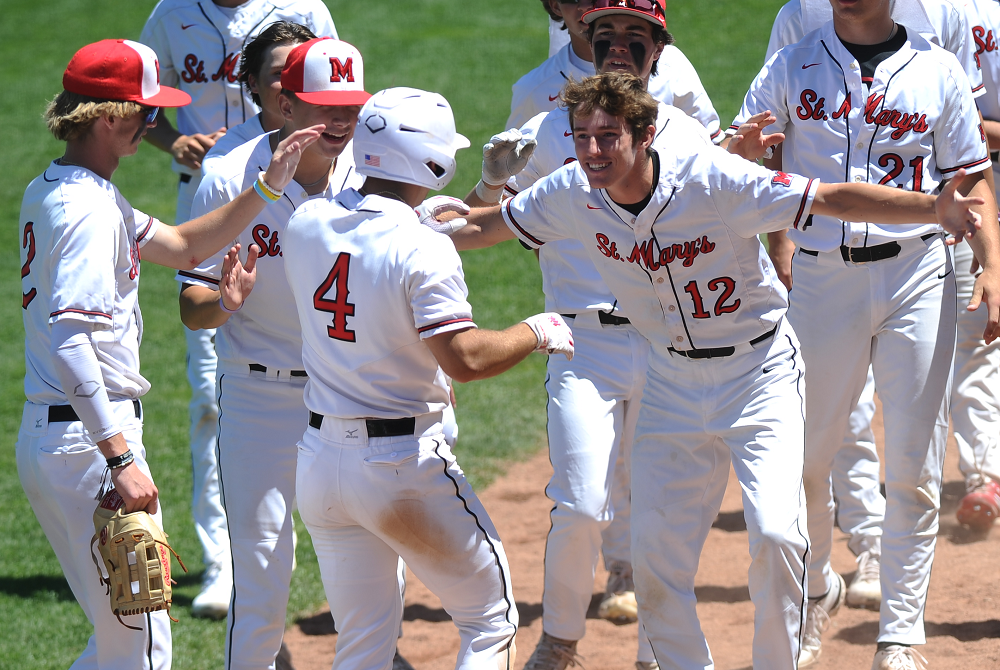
[408, 135]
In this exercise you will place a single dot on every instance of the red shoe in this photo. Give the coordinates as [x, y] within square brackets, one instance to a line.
[980, 506]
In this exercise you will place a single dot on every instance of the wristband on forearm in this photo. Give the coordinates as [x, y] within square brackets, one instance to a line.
[222, 305]
[487, 194]
[121, 460]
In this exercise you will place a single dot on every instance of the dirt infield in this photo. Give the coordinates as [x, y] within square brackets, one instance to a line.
[963, 609]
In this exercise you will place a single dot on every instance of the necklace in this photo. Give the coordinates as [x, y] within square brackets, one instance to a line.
[62, 161]
[892, 31]
[326, 175]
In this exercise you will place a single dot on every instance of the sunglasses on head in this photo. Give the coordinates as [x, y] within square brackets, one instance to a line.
[650, 6]
[151, 114]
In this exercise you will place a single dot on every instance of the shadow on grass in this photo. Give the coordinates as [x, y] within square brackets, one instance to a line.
[967, 631]
[37, 586]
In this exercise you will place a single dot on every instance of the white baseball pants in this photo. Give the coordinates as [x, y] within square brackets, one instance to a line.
[60, 470]
[897, 315]
[206, 502]
[592, 409]
[369, 501]
[697, 417]
[975, 398]
[856, 477]
[262, 416]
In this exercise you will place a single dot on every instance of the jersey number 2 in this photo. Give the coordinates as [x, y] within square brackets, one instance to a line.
[29, 244]
[339, 307]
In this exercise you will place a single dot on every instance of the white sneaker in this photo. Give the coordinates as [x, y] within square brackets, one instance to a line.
[866, 588]
[553, 654]
[818, 615]
[216, 590]
[619, 603]
[898, 657]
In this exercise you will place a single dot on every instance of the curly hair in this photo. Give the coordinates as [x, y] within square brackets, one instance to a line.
[252, 59]
[70, 115]
[617, 93]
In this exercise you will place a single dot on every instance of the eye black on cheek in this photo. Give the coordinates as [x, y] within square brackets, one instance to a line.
[601, 49]
[638, 51]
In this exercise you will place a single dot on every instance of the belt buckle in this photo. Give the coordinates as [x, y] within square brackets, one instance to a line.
[850, 256]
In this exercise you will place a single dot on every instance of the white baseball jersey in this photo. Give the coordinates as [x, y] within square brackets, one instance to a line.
[370, 284]
[570, 281]
[985, 18]
[945, 23]
[233, 138]
[266, 330]
[199, 43]
[688, 270]
[915, 125]
[80, 243]
[676, 83]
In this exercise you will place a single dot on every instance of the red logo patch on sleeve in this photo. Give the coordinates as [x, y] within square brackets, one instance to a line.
[782, 178]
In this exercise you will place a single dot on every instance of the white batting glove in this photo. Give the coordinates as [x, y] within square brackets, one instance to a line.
[554, 336]
[430, 209]
[505, 155]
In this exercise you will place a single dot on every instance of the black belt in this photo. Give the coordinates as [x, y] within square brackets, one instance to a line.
[66, 413]
[879, 252]
[720, 352]
[605, 318]
[185, 178]
[376, 427]
[254, 367]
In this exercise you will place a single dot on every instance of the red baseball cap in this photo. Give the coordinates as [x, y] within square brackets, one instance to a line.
[325, 71]
[120, 70]
[654, 11]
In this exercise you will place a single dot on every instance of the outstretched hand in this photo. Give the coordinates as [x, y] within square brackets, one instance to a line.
[286, 156]
[238, 278]
[505, 155]
[750, 142]
[954, 211]
[431, 209]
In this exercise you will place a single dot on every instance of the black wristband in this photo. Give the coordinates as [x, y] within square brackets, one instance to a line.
[121, 460]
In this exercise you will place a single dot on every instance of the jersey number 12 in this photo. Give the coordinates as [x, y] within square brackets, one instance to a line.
[339, 307]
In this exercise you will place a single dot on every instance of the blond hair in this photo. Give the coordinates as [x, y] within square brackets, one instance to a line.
[617, 93]
[71, 115]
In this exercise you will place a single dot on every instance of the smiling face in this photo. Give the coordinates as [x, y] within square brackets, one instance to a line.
[606, 150]
[340, 121]
[624, 43]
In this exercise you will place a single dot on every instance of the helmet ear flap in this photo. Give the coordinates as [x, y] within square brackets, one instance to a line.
[408, 135]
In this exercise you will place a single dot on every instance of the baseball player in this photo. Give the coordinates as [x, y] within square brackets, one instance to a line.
[385, 323]
[261, 377]
[867, 99]
[199, 45]
[670, 222]
[593, 399]
[261, 62]
[673, 81]
[975, 410]
[81, 431]
[861, 505]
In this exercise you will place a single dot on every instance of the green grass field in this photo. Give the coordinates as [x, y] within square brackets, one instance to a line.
[472, 52]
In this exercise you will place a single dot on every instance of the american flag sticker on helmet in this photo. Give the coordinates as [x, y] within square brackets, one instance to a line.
[374, 161]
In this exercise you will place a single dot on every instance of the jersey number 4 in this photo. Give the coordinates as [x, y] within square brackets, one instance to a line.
[339, 307]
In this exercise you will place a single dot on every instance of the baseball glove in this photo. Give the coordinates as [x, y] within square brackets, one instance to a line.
[136, 566]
